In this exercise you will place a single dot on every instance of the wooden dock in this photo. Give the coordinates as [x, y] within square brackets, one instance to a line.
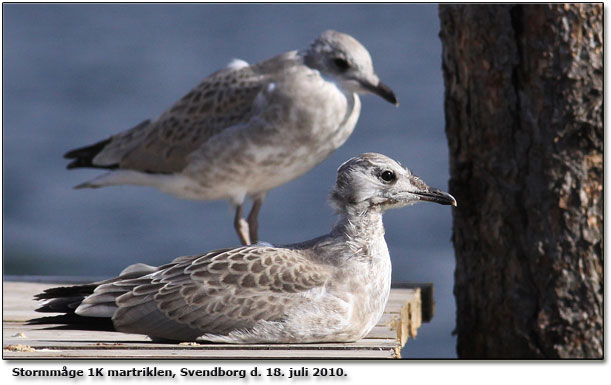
[409, 305]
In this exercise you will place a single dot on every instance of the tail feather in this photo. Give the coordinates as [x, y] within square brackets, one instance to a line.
[64, 299]
[61, 305]
[74, 322]
[83, 156]
[64, 291]
[98, 311]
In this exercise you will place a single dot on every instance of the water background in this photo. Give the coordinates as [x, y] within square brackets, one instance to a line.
[76, 73]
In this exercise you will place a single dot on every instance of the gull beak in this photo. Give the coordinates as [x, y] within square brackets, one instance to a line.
[436, 196]
[381, 90]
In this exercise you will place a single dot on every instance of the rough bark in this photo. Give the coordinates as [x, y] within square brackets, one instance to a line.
[524, 122]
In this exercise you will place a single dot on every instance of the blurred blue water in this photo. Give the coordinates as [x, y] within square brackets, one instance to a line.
[77, 73]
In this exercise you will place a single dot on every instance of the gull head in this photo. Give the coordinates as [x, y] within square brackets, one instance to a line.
[343, 59]
[373, 181]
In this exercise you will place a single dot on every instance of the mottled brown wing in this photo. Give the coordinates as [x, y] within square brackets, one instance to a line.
[229, 289]
[162, 146]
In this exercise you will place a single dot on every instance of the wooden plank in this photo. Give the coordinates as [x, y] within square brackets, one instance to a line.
[427, 296]
[198, 354]
[401, 319]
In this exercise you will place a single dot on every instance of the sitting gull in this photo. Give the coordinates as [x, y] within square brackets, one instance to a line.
[330, 289]
[245, 129]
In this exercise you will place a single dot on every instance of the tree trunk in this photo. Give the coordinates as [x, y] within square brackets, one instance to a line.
[524, 122]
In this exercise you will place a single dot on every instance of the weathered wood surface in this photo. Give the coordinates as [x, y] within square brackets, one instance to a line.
[401, 320]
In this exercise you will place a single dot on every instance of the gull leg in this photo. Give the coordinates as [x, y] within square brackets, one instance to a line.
[253, 218]
[241, 226]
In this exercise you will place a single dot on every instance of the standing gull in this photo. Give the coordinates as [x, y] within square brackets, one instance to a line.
[245, 129]
[331, 288]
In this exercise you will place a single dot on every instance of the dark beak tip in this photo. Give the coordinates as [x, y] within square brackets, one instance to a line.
[453, 201]
[438, 196]
[385, 92]
[391, 98]
[450, 200]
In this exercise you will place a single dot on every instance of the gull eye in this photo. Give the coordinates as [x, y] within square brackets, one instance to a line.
[341, 64]
[388, 176]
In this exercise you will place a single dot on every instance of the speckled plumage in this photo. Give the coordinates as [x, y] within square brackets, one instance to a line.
[331, 288]
[245, 129]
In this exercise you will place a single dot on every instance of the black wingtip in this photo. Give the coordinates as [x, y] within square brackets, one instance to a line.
[87, 151]
[77, 163]
[83, 156]
[62, 291]
[74, 322]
